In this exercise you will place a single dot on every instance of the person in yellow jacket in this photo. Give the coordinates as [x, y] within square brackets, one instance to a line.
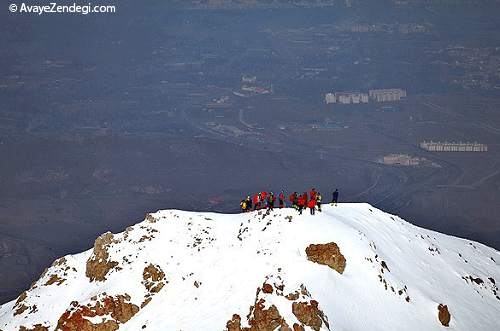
[243, 205]
[318, 200]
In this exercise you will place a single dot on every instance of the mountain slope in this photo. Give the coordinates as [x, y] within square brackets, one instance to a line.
[180, 270]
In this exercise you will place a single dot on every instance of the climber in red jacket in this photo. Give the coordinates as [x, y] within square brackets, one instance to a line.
[256, 202]
[312, 205]
[293, 199]
[312, 194]
[301, 202]
[263, 199]
[281, 199]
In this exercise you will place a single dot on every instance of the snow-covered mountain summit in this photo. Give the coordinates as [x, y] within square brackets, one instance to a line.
[351, 267]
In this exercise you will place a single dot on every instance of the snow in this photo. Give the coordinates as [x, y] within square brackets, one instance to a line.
[230, 256]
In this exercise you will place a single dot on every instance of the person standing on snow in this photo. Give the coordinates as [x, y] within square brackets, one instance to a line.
[301, 202]
[249, 203]
[312, 205]
[293, 199]
[312, 194]
[263, 199]
[281, 199]
[318, 201]
[270, 201]
[256, 202]
[335, 197]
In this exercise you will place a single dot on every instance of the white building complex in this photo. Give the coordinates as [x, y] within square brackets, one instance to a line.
[346, 97]
[453, 147]
[394, 94]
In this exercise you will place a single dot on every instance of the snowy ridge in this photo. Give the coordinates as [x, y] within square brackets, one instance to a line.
[179, 270]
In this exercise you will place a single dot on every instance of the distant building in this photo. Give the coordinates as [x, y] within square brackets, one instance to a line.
[248, 79]
[453, 147]
[219, 2]
[406, 160]
[254, 89]
[400, 159]
[387, 95]
[330, 98]
[346, 97]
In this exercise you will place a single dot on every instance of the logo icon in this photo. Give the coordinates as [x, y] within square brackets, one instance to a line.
[13, 8]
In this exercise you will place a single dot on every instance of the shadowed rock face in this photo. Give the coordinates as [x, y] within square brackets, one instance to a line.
[444, 315]
[327, 254]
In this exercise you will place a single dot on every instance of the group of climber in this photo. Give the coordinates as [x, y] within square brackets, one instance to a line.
[264, 200]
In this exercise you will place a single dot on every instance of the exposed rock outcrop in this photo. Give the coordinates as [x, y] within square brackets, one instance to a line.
[327, 254]
[267, 288]
[114, 309]
[309, 314]
[267, 319]
[37, 327]
[270, 319]
[150, 218]
[444, 315]
[259, 318]
[21, 309]
[20, 306]
[234, 324]
[153, 280]
[54, 279]
[98, 265]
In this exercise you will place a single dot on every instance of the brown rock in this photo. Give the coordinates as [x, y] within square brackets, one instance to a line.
[384, 266]
[53, 279]
[444, 315]
[98, 265]
[293, 296]
[22, 297]
[37, 327]
[327, 254]
[145, 303]
[20, 310]
[59, 262]
[267, 288]
[260, 319]
[150, 218]
[123, 311]
[153, 278]
[153, 273]
[297, 327]
[234, 324]
[309, 314]
[75, 318]
[267, 320]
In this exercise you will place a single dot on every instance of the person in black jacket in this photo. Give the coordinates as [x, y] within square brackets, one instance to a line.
[249, 203]
[335, 197]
